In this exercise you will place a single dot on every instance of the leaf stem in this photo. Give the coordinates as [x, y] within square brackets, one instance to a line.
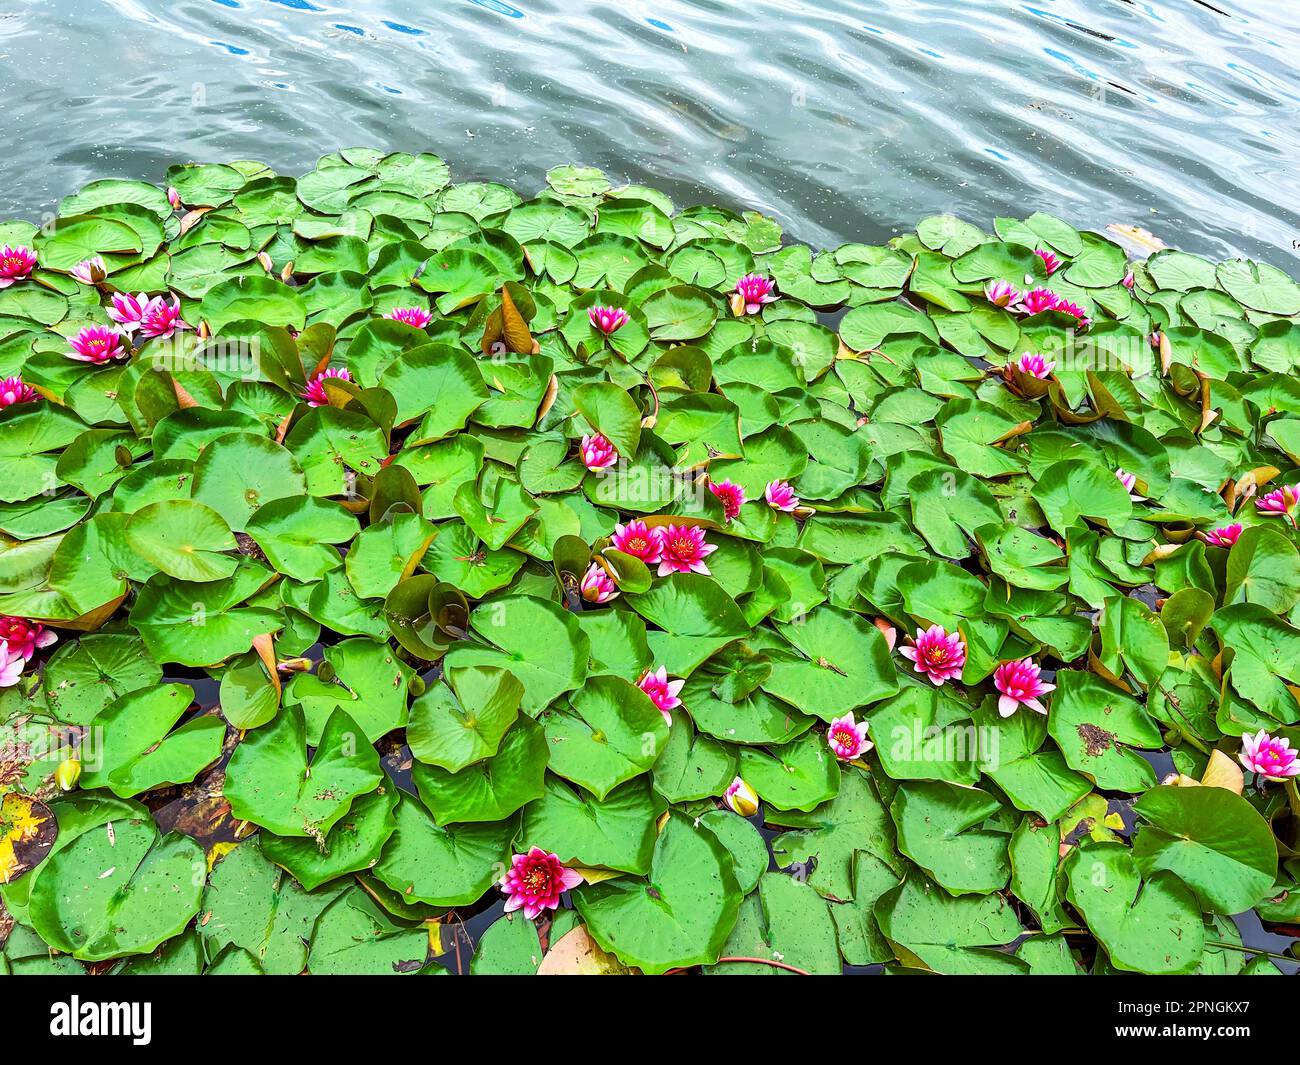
[1248, 950]
[768, 961]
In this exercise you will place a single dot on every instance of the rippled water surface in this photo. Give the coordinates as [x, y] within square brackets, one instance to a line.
[845, 120]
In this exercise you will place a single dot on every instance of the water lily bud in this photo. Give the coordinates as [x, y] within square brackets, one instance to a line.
[68, 773]
[741, 798]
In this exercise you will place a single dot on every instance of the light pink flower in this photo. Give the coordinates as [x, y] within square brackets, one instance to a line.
[597, 587]
[755, 290]
[938, 655]
[1270, 757]
[1128, 480]
[90, 271]
[638, 540]
[683, 550]
[607, 319]
[1037, 300]
[16, 390]
[731, 495]
[741, 798]
[97, 344]
[1280, 501]
[1019, 684]
[780, 496]
[535, 881]
[416, 316]
[24, 637]
[847, 738]
[11, 666]
[174, 198]
[662, 691]
[1050, 262]
[1128, 281]
[128, 310]
[315, 393]
[597, 452]
[161, 319]
[1035, 365]
[1225, 535]
[1002, 293]
[16, 264]
[1074, 311]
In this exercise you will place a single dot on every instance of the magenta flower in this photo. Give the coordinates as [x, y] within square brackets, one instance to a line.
[97, 344]
[1019, 684]
[535, 882]
[90, 271]
[1128, 480]
[1128, 281]
[1035, 365]
[416, 316]
[1002, 293]
[638, 540]
[597, 587]
[16, 390]
[741, 798]
[662, 691]
[24, 637]
[161, 319]
[1271, 757]
[1050, 262]
[938, 655]
[607, 319]
[683, 550]
[11, 667]
[16, 264]
[754, 291]
[1280, 501]
[780, 496]
[1037, 300]
[174, 198]
[128, 310]
[1225, 535]
[1074, 311]
[847, 738]
[315, 393]
[597, 452]
[731, 495]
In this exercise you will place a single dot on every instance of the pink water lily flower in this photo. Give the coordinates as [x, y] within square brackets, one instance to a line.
[1050, 261]
[1280, 501]
[597, 452]
[754, 290]
[607, 319]
[16, 264]
[1035, 365]
[16, 390]
[1002, 293]
[683, 550]
[24, 637]
[535, 881]
[90, 271]
[1128, 281]
[1225, 535]
[416, 316]
[731, 495]
[315, 393]
[161, 319]
[1020, 685]
[848, 738]
[662, 691]
[1271, 757]
[638, 540]
[780, 496]
[1129, 480]
[1074, 311]
[597, 587]
[127, 310]
[174, 198]
[938, 654]
[11, 666]
[1037, 300]
[741, 798]
[97, 344]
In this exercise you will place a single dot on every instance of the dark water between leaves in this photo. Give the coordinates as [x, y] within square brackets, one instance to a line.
[846, 120]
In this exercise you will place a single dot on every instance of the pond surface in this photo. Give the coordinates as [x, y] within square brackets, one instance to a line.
[844, 120]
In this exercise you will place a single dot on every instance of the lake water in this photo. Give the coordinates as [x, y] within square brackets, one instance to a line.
[844, 120]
